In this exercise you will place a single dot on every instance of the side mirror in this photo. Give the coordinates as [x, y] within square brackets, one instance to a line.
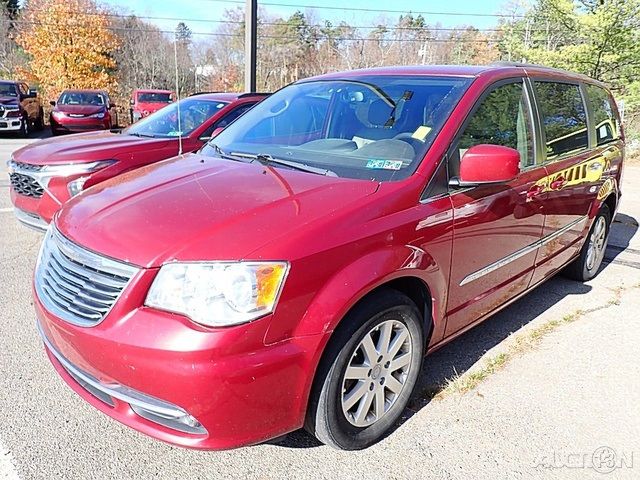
[52, 103]
[487, 164]
[132, 102]
[215, 132]
[112, 105]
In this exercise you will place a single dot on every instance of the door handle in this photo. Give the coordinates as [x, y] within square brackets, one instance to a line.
[558, 183]
[534, 191]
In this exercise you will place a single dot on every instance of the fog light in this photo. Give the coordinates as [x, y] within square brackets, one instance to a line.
[76, 186]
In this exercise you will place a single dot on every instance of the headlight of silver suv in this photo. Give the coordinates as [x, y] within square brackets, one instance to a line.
[218, 294]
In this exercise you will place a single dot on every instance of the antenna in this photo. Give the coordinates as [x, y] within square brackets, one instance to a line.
[175, 59]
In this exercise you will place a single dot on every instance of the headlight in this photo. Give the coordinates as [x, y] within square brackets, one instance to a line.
[67, 169]
[76, 186]
[47, 172]
[97, 115]
[57, 114]
[218, 294]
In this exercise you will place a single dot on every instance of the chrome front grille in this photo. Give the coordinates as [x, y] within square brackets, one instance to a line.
[26, 185]
[75, 284]
[26, 166]
[22, 182]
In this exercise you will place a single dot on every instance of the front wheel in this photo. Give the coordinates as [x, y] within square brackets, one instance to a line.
[586, 266]
[368, 373]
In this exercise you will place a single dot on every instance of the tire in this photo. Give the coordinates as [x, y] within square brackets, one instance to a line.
[586, 266]
[343, 412]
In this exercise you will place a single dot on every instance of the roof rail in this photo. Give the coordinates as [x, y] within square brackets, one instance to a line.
[254, 94]
[530, 65]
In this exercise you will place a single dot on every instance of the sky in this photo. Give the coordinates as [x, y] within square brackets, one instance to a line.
[200, 15]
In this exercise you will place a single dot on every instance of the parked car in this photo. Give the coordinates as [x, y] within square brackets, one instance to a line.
[45, 174]
[295, 271]
[145, 102]
[20, 108]
[82, 111]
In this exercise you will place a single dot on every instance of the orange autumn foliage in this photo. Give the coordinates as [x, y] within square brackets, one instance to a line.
[70, 45]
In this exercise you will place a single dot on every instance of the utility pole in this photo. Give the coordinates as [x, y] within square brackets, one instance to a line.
[250, 45]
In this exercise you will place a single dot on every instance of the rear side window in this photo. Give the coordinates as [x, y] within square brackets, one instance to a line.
[605, 121]
[564, 118]
[501, 119]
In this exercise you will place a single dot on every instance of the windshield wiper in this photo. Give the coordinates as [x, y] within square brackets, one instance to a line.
[267, 159]
[141, 135]
[222, 154]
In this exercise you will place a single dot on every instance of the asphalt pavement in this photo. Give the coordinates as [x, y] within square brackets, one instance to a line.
[568, 406]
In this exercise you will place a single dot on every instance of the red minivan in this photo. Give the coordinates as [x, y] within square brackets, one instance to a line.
[45, 174]
[296, 270]
[82, 111]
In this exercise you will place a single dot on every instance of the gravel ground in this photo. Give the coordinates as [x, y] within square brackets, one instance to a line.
[565, 408]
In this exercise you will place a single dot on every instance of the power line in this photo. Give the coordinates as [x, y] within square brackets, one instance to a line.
[284, 23]
[276, 37]
[374, 10]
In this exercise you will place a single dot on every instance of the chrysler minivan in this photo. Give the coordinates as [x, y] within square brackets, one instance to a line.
[296, 270]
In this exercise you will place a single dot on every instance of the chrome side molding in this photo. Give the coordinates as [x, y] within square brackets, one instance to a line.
[520, 253]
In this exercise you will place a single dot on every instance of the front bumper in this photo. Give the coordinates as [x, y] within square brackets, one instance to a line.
[77, 125]
[38, 212]
[147, 407]
[31, 220]
[10, 124]
[240, 390]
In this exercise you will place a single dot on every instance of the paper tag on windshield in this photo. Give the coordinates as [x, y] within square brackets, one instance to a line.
[385, 164]
[421, 133]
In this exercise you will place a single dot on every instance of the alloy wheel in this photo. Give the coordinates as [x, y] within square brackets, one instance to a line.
[597, 241]
[376, 373]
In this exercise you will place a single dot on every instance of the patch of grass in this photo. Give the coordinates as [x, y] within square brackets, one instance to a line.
[468, 381]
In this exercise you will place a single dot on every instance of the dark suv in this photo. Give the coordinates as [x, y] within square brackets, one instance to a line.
[20, 108]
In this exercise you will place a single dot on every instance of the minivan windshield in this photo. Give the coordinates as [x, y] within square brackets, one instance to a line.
[375, 127]
[82, 98]
[164, 123]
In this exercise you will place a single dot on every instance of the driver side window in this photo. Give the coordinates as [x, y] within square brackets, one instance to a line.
[503, 118]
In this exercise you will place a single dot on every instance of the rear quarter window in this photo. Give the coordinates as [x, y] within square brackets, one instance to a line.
[605, 121]
[564, 118]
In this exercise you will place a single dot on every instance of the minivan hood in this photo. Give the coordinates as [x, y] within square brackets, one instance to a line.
[196, 208]
[84, 147]
[79, 109]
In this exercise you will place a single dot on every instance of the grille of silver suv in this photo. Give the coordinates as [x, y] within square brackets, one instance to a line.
[75, 284]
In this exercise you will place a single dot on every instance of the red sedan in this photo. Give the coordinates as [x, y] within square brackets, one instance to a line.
[296, 271]
[45, 174]
[81, 111]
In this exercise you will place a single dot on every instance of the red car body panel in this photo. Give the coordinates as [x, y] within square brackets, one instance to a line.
[128, 152]
[342, 237]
